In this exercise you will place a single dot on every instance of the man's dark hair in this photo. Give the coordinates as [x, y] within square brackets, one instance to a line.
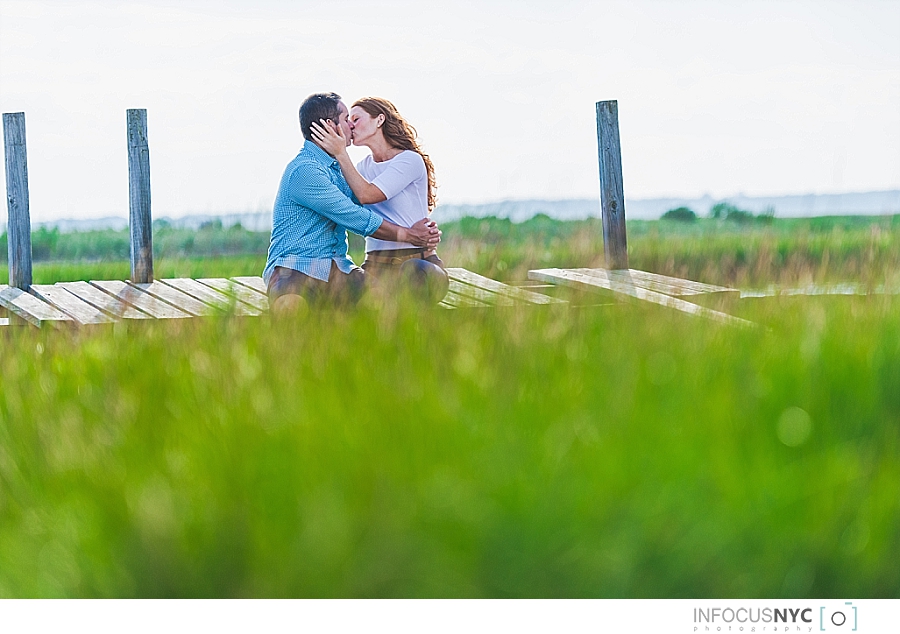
[322, 105]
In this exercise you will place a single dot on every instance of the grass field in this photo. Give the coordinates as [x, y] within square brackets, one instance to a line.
[619, 451]
[70, 271]
[789, 251]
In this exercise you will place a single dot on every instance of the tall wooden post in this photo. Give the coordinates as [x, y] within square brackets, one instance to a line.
[612, 195]
[18, 229]
[139, 197]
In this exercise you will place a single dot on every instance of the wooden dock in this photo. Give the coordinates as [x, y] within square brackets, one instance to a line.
[663, 290]
[108, 301]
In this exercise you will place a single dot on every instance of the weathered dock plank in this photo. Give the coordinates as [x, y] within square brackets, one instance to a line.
[625, 277]
[139, 299]
[453, 300]
[176, 298]
[846, 288]
[29, 308]
[575, 279]
[254, 282]
[76, 308]
[104, 301]
[479, 294]
[241, 292]
[674, 286]
[212, 297]
[517, 294]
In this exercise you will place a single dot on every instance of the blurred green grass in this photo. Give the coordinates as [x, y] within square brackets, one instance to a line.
[622, 451]
[627, 451]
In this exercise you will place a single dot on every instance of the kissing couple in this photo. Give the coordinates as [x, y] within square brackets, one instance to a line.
[387, 197]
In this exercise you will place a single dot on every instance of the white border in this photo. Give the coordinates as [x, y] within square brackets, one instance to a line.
[414, 616]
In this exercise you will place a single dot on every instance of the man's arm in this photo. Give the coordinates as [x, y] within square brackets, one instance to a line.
[424, 233]
[313, 189]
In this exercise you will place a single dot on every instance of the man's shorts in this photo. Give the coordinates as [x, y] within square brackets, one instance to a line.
[341, 289]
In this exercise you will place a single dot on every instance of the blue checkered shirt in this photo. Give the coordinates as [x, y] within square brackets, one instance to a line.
[314, 209]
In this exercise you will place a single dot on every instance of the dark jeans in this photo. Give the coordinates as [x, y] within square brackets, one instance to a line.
[425, 278]
[341, 289]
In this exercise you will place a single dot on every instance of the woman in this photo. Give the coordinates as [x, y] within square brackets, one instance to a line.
[396, 181]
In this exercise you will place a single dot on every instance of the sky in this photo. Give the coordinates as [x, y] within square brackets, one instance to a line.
[714, 97]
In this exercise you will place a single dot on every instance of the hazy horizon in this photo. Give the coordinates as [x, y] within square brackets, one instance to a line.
[760, 98]
[790, 206]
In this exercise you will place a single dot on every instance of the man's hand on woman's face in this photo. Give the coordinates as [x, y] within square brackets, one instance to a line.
[329, 137]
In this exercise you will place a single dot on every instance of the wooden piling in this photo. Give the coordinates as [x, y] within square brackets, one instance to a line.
[612, 195]
[139, 218]
[18, 230]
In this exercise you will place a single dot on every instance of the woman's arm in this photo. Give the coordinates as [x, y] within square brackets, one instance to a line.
[335, 143]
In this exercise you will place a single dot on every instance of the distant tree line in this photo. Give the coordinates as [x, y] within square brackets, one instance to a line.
[722, 211]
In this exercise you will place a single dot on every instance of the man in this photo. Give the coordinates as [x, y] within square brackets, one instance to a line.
[314, 209]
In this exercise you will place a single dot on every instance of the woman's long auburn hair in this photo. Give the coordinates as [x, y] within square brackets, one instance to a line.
[400, 134]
